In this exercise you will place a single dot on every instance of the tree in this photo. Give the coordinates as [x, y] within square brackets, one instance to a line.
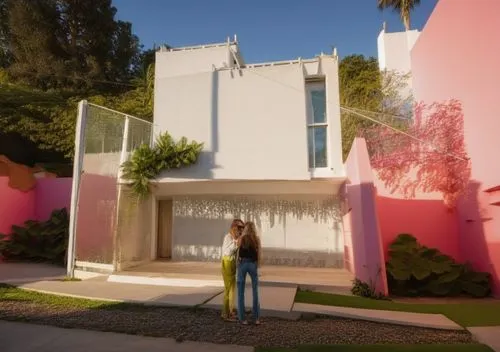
[37, 56]
[67, 43]
[403, 7]
[5, 55]
[378, 94]
[431, 157]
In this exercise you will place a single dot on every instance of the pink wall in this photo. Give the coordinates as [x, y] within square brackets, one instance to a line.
[425, 216]
[16, 207]
[457, 56]
[96, 222]
[50, 194]
[364, 240]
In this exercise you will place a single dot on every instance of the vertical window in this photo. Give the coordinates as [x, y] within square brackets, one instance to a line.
[317, 124]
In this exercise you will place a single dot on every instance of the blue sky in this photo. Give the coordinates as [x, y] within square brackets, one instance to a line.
[268, 30]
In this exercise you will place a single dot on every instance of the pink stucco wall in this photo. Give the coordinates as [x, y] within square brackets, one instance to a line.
[50, 194]
[457, 56]
[16, 207]
[425, 216]
[364, 239]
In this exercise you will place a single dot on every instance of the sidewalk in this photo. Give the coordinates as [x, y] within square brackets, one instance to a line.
[20, 337]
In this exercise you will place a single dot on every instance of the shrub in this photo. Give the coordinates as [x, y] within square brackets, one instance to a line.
[363, 289]
[38, 241]
[416, 270]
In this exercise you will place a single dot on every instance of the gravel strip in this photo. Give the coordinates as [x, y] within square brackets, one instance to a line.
[205, 325]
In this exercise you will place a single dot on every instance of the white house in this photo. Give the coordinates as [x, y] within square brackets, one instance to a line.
[394, 51]
[272, 154]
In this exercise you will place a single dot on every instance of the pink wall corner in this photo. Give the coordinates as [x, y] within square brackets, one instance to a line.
[16, 207]
[424, 216]
[456, 57]
[51, 194]
[365, 239]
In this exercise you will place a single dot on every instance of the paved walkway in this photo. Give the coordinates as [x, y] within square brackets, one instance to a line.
[28, 272]
[20, 337]
[275, 300]
[489, 335]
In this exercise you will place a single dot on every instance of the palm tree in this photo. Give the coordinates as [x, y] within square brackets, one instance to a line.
[404, 7]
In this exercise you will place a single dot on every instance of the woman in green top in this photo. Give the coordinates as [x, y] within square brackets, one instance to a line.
[229, 249]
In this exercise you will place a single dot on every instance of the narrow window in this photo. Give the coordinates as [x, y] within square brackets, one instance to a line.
[317, 124]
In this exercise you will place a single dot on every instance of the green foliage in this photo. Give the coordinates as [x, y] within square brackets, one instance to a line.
[363, 289]
[363, 86]
[66, 43]
[360, 87]
[416, 270]
[403, 7]
[39, 241]
[146, 162]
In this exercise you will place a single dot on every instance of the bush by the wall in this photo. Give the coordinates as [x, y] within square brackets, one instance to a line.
[38, 241]
[364, 289]
[416, 270]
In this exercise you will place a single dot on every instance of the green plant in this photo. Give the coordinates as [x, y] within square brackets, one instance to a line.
[416, 270]
[364, 289]
[40, 241]
[146, 162]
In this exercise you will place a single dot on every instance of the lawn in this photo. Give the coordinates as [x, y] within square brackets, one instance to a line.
[384, 348]
[466, 314]
[11, 293]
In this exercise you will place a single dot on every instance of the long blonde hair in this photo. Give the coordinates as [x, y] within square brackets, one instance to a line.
[249, 237]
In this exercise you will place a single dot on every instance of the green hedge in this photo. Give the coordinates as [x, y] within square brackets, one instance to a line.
[416, 270]
[38, 241]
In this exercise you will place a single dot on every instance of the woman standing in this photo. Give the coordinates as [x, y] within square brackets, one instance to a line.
[229, 249]
[249, 255]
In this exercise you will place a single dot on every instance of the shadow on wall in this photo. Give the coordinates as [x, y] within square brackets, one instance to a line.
[96, 218]
[292, 232]
[479, 225]
[198, 239]
[203, 168]
[430, 221]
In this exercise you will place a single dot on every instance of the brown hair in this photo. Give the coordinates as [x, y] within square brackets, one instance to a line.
[249, 237]
[235, 225]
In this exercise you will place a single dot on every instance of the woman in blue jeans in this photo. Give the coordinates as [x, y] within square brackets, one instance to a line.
[249, 255]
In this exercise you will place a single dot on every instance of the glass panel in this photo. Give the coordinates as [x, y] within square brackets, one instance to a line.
[318, 100]
[310, 146]
[320, 146]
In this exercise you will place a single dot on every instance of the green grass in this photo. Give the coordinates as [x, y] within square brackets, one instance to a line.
[478, 313]
[11, 293]
[384, 348]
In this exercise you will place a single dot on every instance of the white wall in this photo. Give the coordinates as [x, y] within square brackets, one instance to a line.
[294, 236]
[252, 121]
[394, 50]
[192, 61]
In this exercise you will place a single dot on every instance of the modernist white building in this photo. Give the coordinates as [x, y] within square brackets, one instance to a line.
[394, 53]
[272, 154]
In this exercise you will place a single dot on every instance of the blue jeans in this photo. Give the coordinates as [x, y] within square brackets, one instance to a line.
[248, 267]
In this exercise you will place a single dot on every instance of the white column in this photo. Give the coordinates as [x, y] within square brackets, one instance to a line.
[75, 188]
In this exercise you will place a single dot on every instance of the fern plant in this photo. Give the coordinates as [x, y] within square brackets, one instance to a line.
[146, 163]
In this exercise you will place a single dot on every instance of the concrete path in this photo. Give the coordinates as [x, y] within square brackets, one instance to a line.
[29, 272]
[99, 289]
[433, 321]
[489, 335]
[274, 301]
[20, 337]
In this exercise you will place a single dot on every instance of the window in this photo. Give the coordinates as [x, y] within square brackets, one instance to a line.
[317, 124]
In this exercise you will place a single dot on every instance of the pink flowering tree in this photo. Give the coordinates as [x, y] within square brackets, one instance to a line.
[428, 156]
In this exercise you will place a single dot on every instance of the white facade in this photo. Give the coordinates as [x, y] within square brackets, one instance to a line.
[272, 152]
[394, 54]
